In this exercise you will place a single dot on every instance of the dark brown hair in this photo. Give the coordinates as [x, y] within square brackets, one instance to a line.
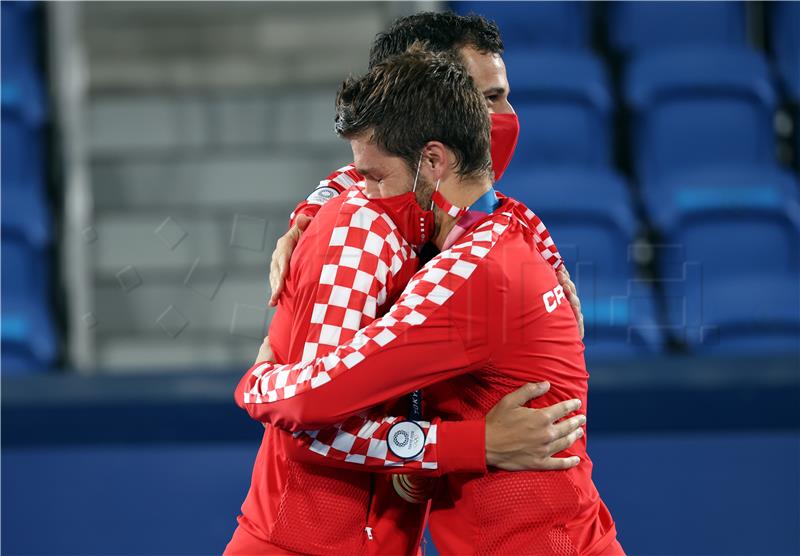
[442, 32]
[415, 97]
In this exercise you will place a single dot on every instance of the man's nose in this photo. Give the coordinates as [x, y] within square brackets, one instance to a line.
[504, 108]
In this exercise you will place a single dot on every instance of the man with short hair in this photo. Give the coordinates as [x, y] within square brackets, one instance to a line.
[479, 320]
[290, 479]
[477, 42]
[298, 480]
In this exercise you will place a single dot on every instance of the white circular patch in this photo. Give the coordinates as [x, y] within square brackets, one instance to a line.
[406, 439]
[322, 195]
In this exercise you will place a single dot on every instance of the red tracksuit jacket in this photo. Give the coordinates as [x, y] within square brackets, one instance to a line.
[308, 494]
[476, 322]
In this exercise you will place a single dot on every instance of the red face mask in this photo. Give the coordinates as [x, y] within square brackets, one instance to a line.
[413, 223]
[505, 132]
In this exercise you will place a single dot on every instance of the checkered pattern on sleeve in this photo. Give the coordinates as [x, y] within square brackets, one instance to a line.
[361, 439]
[340, 180]
[544, 242]
[345, 177]
[428, 290]
[365, 251]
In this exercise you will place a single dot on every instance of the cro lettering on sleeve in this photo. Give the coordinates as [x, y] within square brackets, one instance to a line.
[553, 298]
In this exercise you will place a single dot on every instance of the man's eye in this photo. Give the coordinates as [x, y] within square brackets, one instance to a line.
[493, 98]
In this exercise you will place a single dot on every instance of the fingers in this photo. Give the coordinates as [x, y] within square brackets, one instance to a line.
[555, 464]
[265, 352]
[568, 426]
[302, 221]
[277, 279]
[274, 281]
[523, 395]
[279, 265]
[559, 410]
[565, 281]
[565, 442]
[572, 296]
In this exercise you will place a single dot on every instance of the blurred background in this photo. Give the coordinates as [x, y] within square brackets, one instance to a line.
[153, 151]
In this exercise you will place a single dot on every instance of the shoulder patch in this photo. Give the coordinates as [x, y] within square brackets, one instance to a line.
[322, 195]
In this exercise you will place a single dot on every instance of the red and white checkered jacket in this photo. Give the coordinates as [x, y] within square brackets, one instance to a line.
[347, 176]
[330, 187]
[479, 320]
[349, 266]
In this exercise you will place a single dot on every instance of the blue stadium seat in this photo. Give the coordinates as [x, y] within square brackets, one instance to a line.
[784, 35]
[589, 214]
[22, 85]
[784, 18]
[28, 332]
[620, 321]
[24, 207]
[728, 221]
[22, 151]
[524, 24]
[636, 26]
[25, 211]
[732, 236]
[737, 315]
[696, 107]
[564, 104]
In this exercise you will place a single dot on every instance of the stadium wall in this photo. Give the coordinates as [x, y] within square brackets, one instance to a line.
[686, 467]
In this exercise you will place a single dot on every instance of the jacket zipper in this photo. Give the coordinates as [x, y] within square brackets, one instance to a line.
[368, 527]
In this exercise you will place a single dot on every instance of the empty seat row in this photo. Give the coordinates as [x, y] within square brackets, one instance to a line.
[690, 108]
[731, 259]
[28, 330]
[784, 33]
[620, 311]
[728, 230]
[642, 29]
[29, 340]
[633, 27]
[564, 104]
[638, 26]
[695, 107]
[560, 24]
[23, 88]
[25, 209]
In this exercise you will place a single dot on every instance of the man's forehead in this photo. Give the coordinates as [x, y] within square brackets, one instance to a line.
[363, 146]
[486, 68]
[368, 156]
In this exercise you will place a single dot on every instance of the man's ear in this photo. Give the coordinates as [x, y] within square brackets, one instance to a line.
[437, 158]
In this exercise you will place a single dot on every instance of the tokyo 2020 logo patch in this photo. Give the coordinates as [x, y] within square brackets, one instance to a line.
[406, 439]
[322, 195]
[400, 438]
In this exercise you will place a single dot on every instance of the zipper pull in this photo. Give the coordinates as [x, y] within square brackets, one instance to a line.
[369, 532]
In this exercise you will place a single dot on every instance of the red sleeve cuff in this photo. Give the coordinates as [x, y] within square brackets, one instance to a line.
[462, 446]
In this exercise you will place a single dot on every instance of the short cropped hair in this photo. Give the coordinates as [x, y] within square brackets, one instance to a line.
[415, 97]
[442, 32]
